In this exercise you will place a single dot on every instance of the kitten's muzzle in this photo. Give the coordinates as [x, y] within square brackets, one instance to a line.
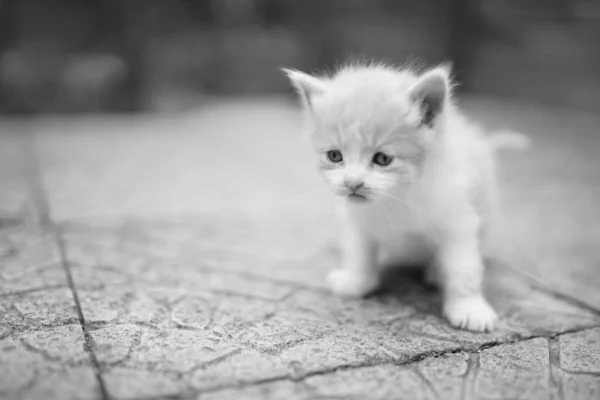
[354, 186]
[357, 198]
[356, 194]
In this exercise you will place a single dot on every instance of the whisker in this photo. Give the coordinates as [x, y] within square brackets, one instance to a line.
[403, 201]
[386, 211]
[396, 198]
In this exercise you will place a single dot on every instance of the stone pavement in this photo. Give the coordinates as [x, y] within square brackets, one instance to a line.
[183, 257]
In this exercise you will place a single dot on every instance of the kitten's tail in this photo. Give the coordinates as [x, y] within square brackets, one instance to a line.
[509, 140]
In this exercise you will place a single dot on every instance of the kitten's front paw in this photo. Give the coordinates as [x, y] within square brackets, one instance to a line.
[472, 313]
[347, 283]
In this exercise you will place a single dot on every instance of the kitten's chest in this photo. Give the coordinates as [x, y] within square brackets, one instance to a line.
[387, 221]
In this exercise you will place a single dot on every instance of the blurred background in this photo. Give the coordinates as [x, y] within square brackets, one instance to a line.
[67, 56]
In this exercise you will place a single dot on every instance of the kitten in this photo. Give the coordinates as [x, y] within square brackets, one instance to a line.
[414, 176]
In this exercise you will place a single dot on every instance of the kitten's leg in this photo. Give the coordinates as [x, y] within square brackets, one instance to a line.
[461, 270]
[358, 275]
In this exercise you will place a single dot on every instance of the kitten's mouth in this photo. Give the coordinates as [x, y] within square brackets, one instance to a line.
[357, 198]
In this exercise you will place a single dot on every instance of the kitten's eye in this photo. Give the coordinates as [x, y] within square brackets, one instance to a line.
[382, 159]
[335, 156]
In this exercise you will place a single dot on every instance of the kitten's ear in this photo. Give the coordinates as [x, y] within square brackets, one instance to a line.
[306, 85]
[431, 92]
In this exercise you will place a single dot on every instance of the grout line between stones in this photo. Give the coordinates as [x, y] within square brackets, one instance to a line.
[468, 388]
[42, 207]
[555, 379]
[427, 382]
[581, 373]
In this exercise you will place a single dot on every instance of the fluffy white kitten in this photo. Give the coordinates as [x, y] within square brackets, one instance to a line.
[415, 179]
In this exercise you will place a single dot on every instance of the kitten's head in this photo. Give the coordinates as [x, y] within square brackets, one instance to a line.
[371, 126]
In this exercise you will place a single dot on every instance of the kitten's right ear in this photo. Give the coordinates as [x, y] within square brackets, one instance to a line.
[306, 85]
[431, 92]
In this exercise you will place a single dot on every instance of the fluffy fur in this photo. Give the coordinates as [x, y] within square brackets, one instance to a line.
[433, 202]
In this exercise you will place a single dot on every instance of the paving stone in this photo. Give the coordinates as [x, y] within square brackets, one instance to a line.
[244, 367]
[174, 350]
[344, 347]
[122, 304]
[63, 343]
[580, 352]
[514, 371]
[372, 383]
[114, 345]
[445, 374]
[272, 335]
[125, 383]
[36, 310]
[381, 310]
[43, 365]
[197, 251]
[175, 360]
[29, 260]
[267, 391]
[581, 387]
[196, 312]
[231, 315]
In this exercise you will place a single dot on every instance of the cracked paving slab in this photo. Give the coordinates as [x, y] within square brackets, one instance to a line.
[170, 317]
[218, 294]
[507, 371]
[578, 364]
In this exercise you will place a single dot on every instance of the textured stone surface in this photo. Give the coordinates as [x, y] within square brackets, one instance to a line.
[580, 352]
[514, 371]
[198, 258]
[34, 292]
[581, 386]
[372, 383]
[29, 259]
[49, 364]
[267, 391]
[446, 375]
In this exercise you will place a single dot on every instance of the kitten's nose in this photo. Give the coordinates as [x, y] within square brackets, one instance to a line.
[354, 185]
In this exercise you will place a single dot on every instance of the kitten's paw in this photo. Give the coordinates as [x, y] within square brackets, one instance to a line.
[347, 283]
[472, 313]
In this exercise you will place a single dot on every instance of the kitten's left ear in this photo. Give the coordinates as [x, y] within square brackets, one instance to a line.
[306, 85]
[431, 92]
